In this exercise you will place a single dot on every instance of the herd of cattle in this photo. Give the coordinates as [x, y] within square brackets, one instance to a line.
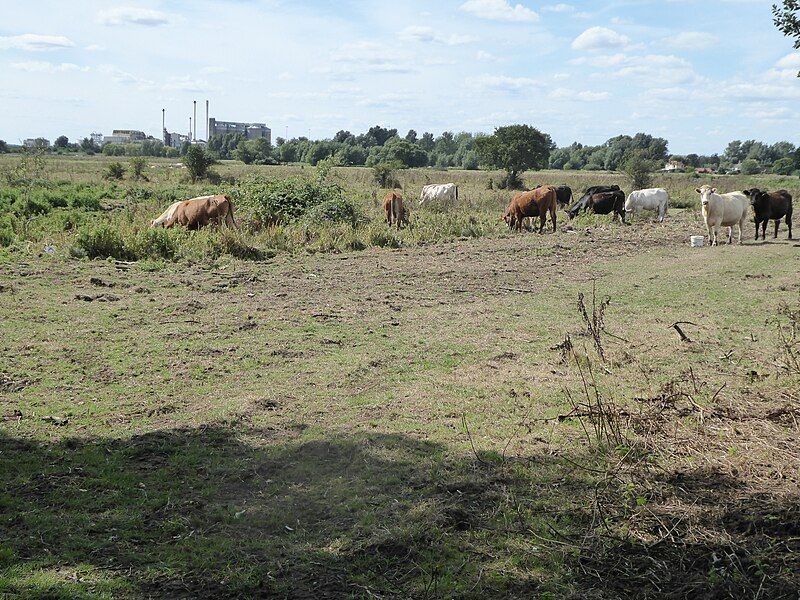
[719, 210]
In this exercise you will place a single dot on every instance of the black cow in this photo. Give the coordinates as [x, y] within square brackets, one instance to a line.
[583, 203]
[770, 206]
[608, 202]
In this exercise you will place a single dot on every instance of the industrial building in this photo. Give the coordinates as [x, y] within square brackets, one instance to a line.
[252, 131]
[125, 136]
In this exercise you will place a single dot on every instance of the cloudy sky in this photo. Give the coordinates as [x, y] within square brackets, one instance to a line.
[698, 72]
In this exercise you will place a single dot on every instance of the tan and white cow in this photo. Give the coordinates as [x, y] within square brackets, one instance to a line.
[722, 210]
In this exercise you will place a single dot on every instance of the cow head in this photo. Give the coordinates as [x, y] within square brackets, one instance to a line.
[705, 194]
[756, 196]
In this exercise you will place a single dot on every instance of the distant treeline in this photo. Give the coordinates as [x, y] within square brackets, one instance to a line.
[380, 145]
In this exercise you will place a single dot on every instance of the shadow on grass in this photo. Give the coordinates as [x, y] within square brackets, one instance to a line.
[219, 513]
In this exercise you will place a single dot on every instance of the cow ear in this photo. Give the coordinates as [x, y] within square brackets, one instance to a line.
[713, 190]
[746, 192]
[698, 190]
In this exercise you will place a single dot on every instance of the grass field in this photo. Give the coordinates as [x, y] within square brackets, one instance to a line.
[428, 421]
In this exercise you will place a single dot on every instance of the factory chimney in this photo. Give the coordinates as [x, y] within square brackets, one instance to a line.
[190, 129]
[208, 124]
[194, 131]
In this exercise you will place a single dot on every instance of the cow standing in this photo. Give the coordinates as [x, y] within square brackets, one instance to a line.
[199, 212]
[605, 203]
[536, 203]
[653, 199]
[445, 192]
[722, 210]
[770, 206]
[395, 210]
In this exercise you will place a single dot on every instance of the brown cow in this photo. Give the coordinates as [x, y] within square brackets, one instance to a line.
[395, 210]
[536, 203]
[200, 212]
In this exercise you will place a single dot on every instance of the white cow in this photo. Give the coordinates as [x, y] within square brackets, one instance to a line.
[165, 216]
[652, 199]
[722, 210]
[445, 192]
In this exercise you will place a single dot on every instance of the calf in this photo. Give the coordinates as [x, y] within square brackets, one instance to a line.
[722, 210]
[200, 212]
[536, 203]
[608, 202]
[770, 206]
[395, 210]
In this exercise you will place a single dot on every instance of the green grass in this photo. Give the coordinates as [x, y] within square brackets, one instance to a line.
[292, 427]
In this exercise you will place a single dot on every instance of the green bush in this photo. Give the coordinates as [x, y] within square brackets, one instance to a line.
[281, 201]
[337, 210]
[138, 165]
[114, 170]
[103, 240]
[7, 234]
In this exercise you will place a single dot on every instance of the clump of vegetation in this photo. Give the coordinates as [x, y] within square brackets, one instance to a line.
[138, 165]
[337, 210]
[114, 171]
[198, 162]
[639, 170]
[282, 201]
[384, 175]
[516, 149]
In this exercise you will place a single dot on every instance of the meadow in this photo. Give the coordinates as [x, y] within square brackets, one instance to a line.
[336, 410]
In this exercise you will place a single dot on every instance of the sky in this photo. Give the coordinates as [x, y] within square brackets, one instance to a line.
[697, 72]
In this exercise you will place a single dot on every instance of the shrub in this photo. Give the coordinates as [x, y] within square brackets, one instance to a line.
[750, 167]
[384, 175]
[639, 171]
[198, 162]
[102, 241]
[114, 170]
[138, 165]
[7, 235]
[281, 201]
[337, 210]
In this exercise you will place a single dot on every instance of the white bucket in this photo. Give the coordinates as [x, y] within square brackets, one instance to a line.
[697, 241]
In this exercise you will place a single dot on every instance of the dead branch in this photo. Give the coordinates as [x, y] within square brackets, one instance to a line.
[677, 327]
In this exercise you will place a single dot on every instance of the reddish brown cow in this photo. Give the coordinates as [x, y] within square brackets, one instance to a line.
[395, 210]
[200, 212]
[536, 203]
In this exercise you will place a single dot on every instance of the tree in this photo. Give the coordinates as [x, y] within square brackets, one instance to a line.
[197, 162]
[3, 147]
[426, 142]
[399, 151]
[411, 136]
[89, 146]
[783, 166]
[750, 167]
[62, 141]
[515, 148]
[787, 19]
[639, 169]
[114, 170]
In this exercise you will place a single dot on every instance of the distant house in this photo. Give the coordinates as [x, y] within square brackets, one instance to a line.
[673, 166]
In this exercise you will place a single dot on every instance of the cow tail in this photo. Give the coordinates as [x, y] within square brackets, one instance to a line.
[230, 213]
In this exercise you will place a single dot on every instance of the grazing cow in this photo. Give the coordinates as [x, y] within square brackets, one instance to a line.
[536, 203]
[652, 199]
[165, 216]
[770, 206]
[395, 210]
[200, 212]
[583, 203]
[722, 210]
[605, 203]
[563, 194]
[445, 192]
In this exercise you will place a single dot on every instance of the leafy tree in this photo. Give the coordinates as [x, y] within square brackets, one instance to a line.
[784, 166]
[344, 137]
[224, 145]
[3, 147]
[411, 136]
[114, 150]
[639, 169]
[384, 174]
[787, 19]
[198, 162]
[62, 142]
[89, 146]
[750, 167]
[399, 151]
[376, 136]
[515, 148]
[427, 142]
[351, 156]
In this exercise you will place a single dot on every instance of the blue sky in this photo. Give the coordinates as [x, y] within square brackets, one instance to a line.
[699, 73]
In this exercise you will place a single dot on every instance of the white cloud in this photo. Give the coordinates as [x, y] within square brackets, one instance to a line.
[40, 66]
[33, 42]
[502, 83]
[500, 10]
[790, 61]
[690, 40]
[94, 48]
[487, 56]
[429, 35]
[598, 38]
[558, 8]
[584, 96]
[129, 15]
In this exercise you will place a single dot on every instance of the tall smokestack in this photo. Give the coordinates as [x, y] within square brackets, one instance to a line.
[208, 124]
[194, 131]
[164, 119]
[190, 129]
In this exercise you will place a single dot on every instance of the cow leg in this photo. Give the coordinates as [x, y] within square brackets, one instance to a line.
[789, 224]
[553, 216]
[777, 225]
[542, 222]
[730, 235]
